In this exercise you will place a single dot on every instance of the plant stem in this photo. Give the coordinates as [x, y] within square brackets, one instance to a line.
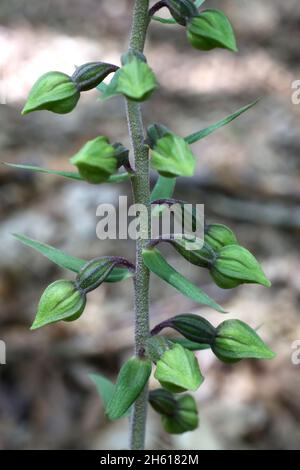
[141, 193]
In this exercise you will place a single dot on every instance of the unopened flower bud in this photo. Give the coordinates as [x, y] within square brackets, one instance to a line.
[211, 29]
[96, 160]
[202, 257]
[178, 370]
[171, 156]
[182, 10]
[163, 401]
[192, 327]
[235, 340]
[185, 417]
[90, 75]
[136, 80]
[53, 91]
[94, 273]
[234, 265]
[61, 301]
[179, 414]
[218, 235]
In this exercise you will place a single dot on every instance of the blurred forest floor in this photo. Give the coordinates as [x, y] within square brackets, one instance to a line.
[248, 176]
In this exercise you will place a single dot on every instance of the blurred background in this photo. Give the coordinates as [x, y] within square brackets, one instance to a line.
[248, 176]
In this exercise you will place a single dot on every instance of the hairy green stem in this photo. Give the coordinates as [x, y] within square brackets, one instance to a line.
[141, 193]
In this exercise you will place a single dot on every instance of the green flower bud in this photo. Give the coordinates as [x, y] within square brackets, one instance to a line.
[90, 75]
[234, 265]
[132, 378]
[192, 327]
[94, 273]
[179, 414]
[202, 257]
[185, 417]
[54, 91]
[136, 80]
[96, 160]
[211, 29]
[163, 401]
[235, 340]
[178, 370]
[182, 10]
[61, 301]
[218, 235]
[172, 157]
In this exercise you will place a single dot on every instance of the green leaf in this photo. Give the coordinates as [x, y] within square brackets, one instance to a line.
[163, 189]
[159, 266]
[66, 261]
[164, 20]
[136, 80]
[235, 340]
[118, 274]
[132, 378]
[56, 256]
[191, 139]
[111, 89]
[104, 386]
[60, 301]
[178, 370]
[171, 157]
[102, 87]
[66, 174]
[211, 29]
[118, 178]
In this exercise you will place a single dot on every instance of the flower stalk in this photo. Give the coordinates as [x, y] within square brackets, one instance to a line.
[141, 193]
